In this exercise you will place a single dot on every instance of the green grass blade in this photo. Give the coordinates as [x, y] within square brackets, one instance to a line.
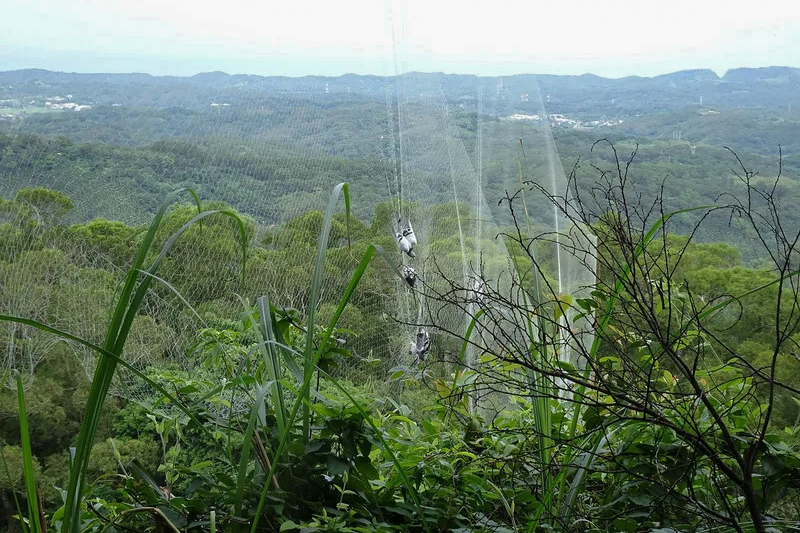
[23, 525]
[20, 515]
[346, 192]
[713, 309]
[520, 156]
[736, 298]
[386, 448]
[133, 273]
[272, 345]
[138, 373]
[584, 468]
[27, 461]
[245, 457]
[304, 390]
[103, 375]
[389, 261]
[315, 290]
[197, 203]
[567, 497]
[119, 327]
[540, 400]
[464, 345]
[144, 285]
[197, 218]
[140, 474]
[605, 318]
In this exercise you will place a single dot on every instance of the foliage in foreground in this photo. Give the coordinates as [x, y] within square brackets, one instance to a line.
[266, 449]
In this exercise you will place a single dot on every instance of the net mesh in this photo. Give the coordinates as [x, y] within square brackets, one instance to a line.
[433, 151]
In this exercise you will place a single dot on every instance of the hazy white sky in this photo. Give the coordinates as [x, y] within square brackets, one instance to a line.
[295, 37]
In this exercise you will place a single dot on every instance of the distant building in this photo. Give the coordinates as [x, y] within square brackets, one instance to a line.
[67, 105]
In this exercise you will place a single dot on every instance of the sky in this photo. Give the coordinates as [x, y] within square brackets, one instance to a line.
[614, 38]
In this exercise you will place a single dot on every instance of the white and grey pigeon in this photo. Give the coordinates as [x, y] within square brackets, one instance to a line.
[404, 245]
[420, 346]
[410, 275]
[409, 234]
[478, 290]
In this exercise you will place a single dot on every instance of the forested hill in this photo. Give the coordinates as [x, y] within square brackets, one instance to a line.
[273, 146]
[765, 88]
[504, 369]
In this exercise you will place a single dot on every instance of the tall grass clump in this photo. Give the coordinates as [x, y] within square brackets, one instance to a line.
[555, 387]
[312, 354]
[137, 282]
[276, 358]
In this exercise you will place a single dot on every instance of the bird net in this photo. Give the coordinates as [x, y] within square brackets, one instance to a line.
[428, 158]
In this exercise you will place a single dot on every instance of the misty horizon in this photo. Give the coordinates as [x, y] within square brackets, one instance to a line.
[383, 38]
[190, 74]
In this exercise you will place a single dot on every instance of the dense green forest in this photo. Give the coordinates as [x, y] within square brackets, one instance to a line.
[234, 358]
[79, 266]
[143, 136]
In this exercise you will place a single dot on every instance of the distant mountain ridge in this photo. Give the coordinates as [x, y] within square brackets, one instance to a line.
[737, 74]
[586, 96]
[135, 137]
